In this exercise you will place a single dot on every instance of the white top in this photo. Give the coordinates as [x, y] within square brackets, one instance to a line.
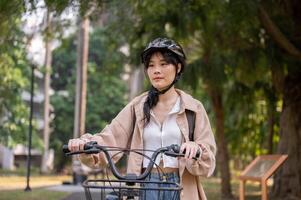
[156, 136]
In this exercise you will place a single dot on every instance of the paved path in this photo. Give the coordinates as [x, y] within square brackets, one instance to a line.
[77, 192]
[66, 188]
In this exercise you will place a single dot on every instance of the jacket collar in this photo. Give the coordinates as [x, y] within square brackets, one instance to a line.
[187, 102]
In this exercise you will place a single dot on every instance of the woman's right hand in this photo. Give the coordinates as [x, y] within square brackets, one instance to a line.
[77, 144]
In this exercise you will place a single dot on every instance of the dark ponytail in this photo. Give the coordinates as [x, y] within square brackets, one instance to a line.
[151, 100]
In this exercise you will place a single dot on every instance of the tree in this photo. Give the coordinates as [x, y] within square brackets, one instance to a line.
[15, 70]
[288, 178]
[48, 57]
[280, 20]
[13, 111]
[105, 92]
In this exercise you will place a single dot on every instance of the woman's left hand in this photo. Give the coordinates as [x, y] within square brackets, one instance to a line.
[191, 149]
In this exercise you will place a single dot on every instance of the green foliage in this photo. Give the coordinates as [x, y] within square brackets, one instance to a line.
[106, 94]
[246, 122]
[14, 112]
[106, 97]
[10, 14]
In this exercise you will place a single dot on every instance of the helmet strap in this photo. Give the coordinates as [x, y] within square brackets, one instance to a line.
[177, 77]
[153, 94]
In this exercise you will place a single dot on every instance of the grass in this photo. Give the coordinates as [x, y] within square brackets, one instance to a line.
[19, 172]
[12, 188]
[212, 187]
[19, 182]
[35, 194]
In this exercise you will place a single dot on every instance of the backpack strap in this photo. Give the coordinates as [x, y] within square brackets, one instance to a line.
[190, 115]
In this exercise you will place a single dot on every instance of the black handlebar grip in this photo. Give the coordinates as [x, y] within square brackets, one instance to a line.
[176, 149]
[88, 146]
[197, 155]
[66, 149]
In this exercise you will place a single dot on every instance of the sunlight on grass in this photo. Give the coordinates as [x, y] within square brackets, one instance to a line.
[19, 182]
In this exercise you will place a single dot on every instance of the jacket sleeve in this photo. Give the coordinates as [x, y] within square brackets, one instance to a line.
[116, 134]
[204, 137]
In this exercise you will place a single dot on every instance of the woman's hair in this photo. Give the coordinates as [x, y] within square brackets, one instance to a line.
[153, 93]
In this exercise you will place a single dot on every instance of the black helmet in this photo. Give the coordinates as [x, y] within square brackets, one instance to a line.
[163, 43]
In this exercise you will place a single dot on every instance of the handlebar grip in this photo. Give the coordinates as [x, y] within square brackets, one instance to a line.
[66, 149]
[88, 147]
[197, 155]
[176, 149]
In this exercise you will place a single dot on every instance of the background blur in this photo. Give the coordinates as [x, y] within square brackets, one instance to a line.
[243, 64]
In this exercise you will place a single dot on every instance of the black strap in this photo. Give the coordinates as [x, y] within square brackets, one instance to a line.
[190, 115]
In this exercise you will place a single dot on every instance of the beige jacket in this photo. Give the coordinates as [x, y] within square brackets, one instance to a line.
[119, 131]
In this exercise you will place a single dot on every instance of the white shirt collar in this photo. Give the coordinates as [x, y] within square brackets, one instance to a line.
[175, 109]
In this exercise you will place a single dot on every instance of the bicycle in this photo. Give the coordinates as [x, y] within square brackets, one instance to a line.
[129, 186]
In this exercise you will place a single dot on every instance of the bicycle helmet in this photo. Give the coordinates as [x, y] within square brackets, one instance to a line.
[163, 43]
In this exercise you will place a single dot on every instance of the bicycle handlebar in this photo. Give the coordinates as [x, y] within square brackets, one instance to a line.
[93, 148]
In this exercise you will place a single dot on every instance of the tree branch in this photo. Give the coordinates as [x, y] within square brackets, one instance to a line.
[277, 35]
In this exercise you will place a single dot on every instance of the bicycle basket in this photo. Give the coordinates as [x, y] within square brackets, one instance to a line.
[137, 190]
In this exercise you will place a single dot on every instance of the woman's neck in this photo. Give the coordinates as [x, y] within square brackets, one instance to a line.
[170, 95]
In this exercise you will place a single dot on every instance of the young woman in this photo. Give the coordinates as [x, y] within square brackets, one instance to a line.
[158, 118]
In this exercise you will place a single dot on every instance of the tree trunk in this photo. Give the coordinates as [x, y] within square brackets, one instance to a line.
[81, 90]
[81, 78]
[46, 132]
[287, 181]
[222, 152]
[136, 82]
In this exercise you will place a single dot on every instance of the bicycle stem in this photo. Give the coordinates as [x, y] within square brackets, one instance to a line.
[132, 176]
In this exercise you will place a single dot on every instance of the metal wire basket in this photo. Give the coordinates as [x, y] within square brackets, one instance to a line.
[125, 190]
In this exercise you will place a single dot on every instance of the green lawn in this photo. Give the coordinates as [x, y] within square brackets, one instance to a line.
[35, 194]
[211, 187]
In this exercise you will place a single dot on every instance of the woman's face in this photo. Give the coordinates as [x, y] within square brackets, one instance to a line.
[160, 73]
